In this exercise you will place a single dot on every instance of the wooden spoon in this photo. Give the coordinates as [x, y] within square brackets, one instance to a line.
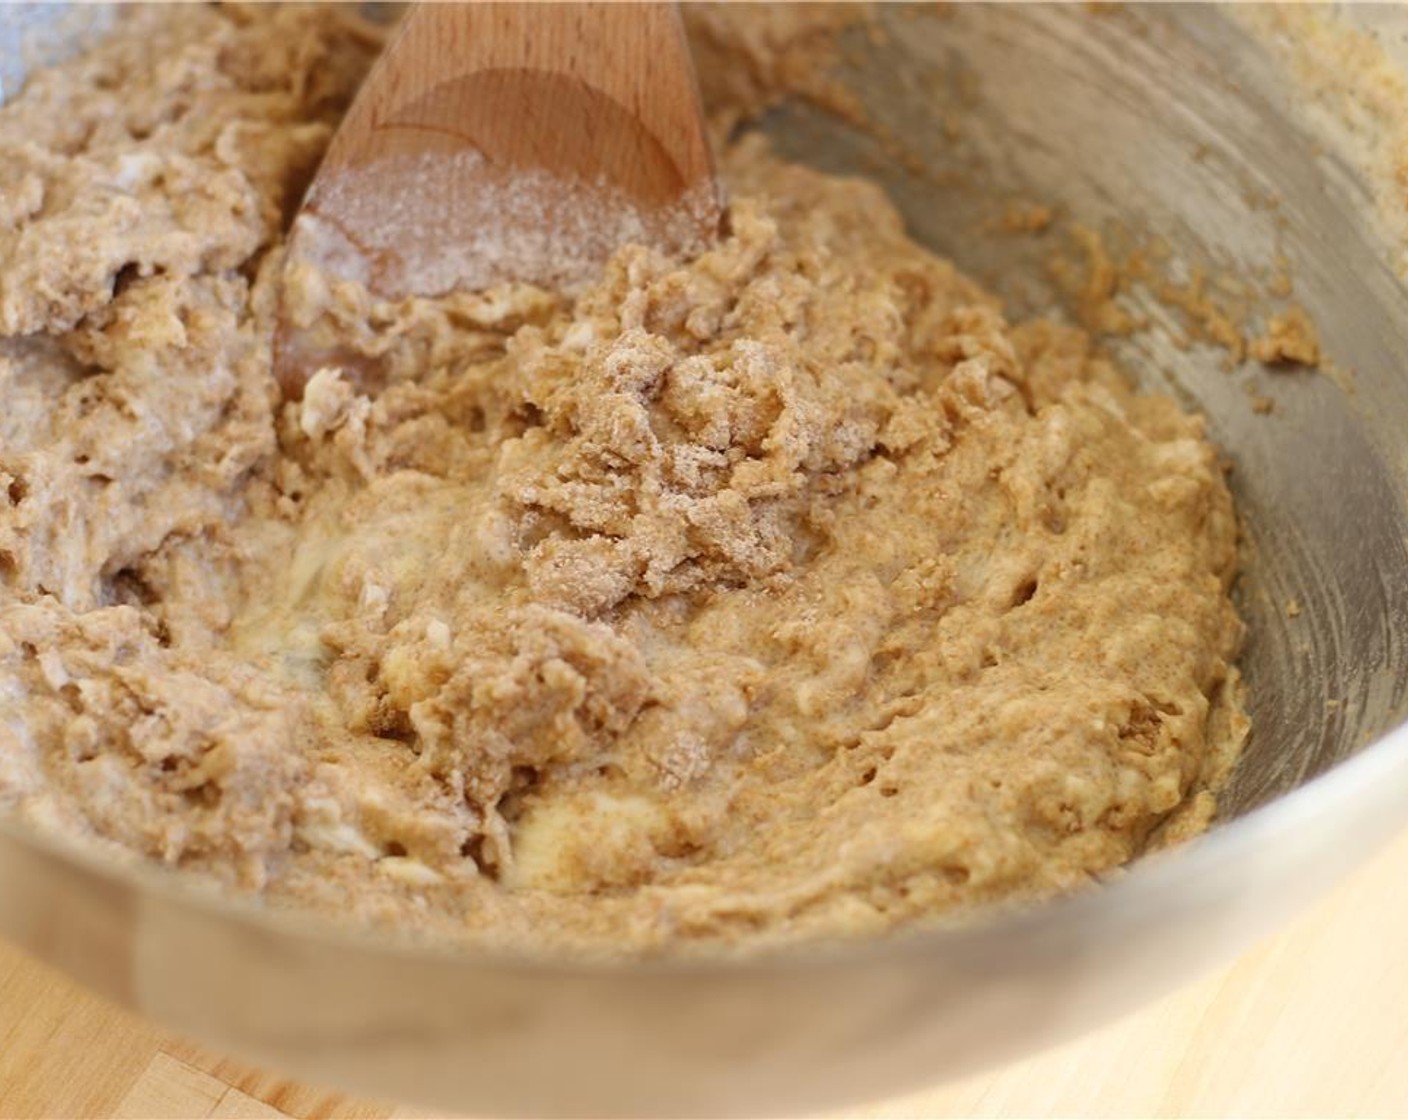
[516, 141]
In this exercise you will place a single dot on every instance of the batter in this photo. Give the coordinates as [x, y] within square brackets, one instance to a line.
[788, 592]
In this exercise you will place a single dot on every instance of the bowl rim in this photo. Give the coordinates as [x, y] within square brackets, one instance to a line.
[1371, 786]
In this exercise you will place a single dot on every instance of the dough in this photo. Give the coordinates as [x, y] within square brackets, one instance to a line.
[789, 592]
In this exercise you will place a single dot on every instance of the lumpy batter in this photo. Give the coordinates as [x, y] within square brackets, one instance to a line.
[785, 592]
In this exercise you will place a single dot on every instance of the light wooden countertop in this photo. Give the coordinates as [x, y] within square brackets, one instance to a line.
[1313, 1022]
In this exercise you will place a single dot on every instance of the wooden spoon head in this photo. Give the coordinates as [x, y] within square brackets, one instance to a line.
[508, 142]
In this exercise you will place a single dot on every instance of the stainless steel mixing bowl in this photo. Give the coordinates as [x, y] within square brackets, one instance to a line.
[1172, 121]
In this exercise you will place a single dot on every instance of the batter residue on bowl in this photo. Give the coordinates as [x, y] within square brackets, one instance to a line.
[785, 592]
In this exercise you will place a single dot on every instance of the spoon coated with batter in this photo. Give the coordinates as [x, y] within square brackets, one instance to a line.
[509, 142]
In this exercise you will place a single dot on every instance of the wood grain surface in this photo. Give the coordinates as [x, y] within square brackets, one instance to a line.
[1312, 1023]
[600, 98]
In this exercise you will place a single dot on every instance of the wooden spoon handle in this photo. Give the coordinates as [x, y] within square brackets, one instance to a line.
[582, 89]
[515, 142]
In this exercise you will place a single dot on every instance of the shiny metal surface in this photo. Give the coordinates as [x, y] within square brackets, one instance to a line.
[1166, 120]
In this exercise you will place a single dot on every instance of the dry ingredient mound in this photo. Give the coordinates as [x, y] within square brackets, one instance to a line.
[786, 592]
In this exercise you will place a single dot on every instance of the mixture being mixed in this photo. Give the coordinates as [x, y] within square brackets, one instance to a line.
[784, 592]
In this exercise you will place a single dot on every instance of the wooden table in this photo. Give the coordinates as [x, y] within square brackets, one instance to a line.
[1313, 1022]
